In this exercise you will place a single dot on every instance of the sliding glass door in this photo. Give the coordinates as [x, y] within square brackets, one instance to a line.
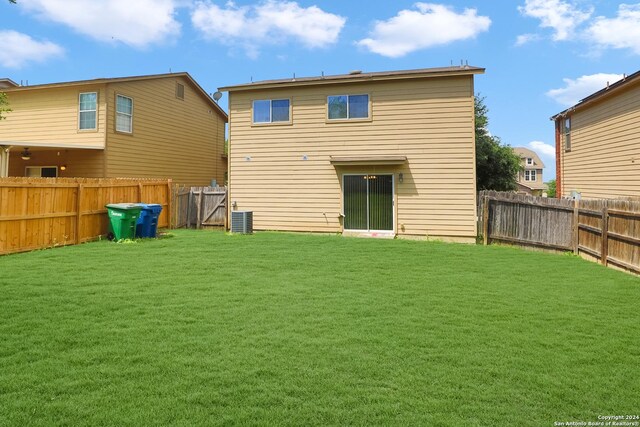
[368, 202]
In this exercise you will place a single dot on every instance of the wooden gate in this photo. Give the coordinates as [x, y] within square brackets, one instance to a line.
[201, 207]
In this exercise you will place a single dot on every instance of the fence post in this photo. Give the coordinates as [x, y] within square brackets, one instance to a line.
[78, 214]
[169, 204]
[605, 235]
[576, 227]
[199, 212]
[226, 208]
[485, 220]
[139, 192]
[189, 196]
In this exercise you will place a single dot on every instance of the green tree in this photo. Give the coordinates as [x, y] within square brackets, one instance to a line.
[4, 105]
[551, 190]
[497, 166]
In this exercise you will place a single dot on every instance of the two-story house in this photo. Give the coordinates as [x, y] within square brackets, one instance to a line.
[530, 180]
[378, 154]
[598, 143]
[155, 126]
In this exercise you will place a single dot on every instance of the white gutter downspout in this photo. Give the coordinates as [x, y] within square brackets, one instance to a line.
[4, 160]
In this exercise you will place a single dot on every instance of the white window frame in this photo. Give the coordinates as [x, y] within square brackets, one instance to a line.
[349, 118]
[270, 122]
[40, 168]
[530, 175]
[529, 161]
[80, 111]
[118, 113]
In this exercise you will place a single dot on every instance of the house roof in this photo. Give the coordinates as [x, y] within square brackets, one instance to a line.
[533, 186]
[611, 89]
[186, 75]
[358, 76]
[6, 83]
[525, 152]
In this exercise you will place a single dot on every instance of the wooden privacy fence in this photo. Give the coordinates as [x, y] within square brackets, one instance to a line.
[39, 213]
[200, 207]
[605, 230]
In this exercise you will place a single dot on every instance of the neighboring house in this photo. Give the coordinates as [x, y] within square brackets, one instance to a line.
[384, 154]
[598, 143]
[157, 126]
[530, 178]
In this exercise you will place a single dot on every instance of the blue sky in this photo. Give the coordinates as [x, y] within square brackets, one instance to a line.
[541, 56]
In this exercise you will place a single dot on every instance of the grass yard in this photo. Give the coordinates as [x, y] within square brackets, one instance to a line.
[206, 328]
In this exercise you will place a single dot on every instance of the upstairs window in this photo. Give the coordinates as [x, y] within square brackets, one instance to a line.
[88, 107]
[529, 161]
[345, 107]
[530, 175]
[567, 134]
[124, 114]
[271, 111]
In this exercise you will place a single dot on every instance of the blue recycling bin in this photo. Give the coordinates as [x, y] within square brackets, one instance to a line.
[147, 224]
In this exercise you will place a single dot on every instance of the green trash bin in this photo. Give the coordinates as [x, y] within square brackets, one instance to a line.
[123, 218]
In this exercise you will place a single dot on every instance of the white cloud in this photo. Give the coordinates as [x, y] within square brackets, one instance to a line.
[18, 49]
[270, 22]
[430, 25]
[562, 16]
[621, 32]
[543, 149]
[136, 23]
[577, 89]
[526, 38]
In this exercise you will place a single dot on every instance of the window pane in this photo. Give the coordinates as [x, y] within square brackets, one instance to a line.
[262, 111]
[337, 107]
[355, 202]
[88, 101]
[280, 110]
[49, 172]
[358, 106]
[123, 123]
[124, 105]
[380, 202]
[87, 120]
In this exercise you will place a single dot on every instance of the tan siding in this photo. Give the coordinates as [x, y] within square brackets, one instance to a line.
[430, 121]
[172, 138]
[604, 161]
[51, 116]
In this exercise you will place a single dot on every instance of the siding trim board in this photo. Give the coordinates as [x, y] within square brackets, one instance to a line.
[360, 161]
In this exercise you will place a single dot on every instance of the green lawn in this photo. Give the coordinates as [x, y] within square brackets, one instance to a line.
[206, 328]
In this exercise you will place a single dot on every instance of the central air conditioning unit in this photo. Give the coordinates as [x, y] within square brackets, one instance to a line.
[242, 222]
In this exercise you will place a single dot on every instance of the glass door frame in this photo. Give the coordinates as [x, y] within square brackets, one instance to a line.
[393, 202]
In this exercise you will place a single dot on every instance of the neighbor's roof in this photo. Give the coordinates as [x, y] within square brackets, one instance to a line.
[5, 83]
[533, 186]
[358, 76]
[525, 152]
[611, 89]
[186, 75]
